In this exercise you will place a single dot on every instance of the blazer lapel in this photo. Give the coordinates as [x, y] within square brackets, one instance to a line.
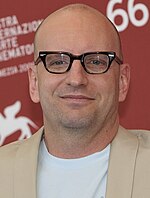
[122, 165]
[25, 167]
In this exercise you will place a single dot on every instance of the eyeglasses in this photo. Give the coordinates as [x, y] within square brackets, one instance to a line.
[57, 62]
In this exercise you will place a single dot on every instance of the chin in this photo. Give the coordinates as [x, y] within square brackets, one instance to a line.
[76, 123]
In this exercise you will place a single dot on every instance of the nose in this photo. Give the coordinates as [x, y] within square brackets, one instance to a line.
[77, 76]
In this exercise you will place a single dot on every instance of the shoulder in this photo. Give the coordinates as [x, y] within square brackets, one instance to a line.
[134, 136]
[16, 159]
[8, 152]
[7, 158]
[19, 154]
[143, 136]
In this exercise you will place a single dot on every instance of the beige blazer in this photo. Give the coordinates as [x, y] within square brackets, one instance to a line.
[128, 174]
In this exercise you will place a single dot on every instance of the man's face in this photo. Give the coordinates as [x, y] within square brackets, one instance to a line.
[77, 99]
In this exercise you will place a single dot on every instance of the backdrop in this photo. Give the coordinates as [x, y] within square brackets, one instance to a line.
[19, 117]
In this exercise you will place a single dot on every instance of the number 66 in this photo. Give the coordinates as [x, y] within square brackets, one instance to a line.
[132, 9]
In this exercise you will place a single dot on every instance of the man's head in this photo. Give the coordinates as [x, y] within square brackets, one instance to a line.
[77, 99]
[80, 15]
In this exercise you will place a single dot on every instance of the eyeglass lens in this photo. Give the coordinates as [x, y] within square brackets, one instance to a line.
[94, 63]
[57, 62]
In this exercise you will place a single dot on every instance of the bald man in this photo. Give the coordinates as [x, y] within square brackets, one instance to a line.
[81, 151]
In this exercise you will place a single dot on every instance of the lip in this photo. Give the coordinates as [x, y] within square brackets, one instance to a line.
[76, 99]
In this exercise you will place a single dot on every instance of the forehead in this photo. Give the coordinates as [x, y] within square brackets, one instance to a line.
[76, 31]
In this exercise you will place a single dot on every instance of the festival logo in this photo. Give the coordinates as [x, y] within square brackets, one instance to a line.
[10, 123]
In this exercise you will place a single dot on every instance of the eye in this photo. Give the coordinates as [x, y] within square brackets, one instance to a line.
[96, 62]
[57, 62]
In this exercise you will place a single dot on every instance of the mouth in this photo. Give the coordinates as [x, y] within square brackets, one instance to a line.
[78, 99]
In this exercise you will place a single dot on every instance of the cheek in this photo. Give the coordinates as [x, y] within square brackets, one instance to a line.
[46, 88]
[48, 85]
[110, 95]
[108, 86]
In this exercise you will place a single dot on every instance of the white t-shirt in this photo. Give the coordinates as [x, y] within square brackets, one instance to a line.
[72, 178]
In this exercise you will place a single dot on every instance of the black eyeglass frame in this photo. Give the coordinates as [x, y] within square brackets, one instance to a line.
[111, 56]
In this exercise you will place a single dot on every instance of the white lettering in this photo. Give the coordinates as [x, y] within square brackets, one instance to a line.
[8, 21]
[20, 51]
[22, 29]
[24, 67]
[12, 70]
[8, 71]
[8, 43]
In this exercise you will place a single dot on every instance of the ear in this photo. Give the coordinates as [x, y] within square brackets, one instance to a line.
[33, 83]
[124, 81]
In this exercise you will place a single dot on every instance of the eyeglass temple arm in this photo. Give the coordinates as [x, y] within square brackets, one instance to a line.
[36, 62]
[118, 60]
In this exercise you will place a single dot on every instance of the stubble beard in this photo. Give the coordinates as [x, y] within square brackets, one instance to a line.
[75, 122]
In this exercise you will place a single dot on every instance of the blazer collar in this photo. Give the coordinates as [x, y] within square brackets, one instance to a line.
[123, 154]
[25, 167]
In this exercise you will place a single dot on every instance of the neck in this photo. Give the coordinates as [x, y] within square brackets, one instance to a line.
[76, 144]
